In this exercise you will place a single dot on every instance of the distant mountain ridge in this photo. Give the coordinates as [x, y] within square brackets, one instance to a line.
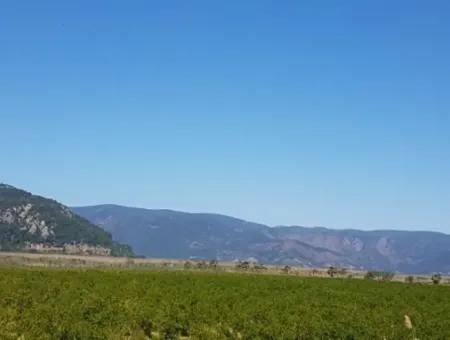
[31, 222]
[173, 234]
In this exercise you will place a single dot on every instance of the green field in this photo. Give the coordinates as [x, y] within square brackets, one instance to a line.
[133, 304]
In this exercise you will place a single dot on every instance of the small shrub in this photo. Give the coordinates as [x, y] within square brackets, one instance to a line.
[332, 271]
[146, 326]
[170, 332]
[259, 267]
[387, 276]
[370, 275]
[409, 279]
[202, 265]
[376, 275]
[286, 269]
[436, 278]
[243, 265]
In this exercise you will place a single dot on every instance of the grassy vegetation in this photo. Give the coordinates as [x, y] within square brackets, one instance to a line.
[42, 303]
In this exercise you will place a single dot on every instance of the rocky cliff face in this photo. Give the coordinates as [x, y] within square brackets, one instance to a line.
[28, 219]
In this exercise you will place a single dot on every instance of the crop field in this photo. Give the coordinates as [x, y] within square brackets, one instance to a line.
[43, 303]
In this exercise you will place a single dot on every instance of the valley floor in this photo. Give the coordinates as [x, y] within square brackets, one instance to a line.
[83, 261]
[113, 303]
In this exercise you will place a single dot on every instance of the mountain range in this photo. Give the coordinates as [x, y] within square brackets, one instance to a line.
[173, 234]
[34, 223]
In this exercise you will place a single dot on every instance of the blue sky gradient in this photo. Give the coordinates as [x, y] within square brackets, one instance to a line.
[333, 113]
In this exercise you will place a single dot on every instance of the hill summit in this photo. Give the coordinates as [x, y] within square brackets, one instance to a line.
[35, 223]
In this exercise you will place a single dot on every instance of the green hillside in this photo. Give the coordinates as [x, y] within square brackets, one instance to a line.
[29, 219]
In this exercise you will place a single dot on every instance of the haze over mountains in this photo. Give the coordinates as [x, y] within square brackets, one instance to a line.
[172, 234]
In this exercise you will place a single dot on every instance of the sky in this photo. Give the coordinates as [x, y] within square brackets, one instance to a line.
[316, 113]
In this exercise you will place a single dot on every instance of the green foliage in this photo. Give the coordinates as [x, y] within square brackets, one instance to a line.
[370, 275]
[259, 267]
[286, 269]
[436, 278]
[12, 237]
[213, 264]
[243, 265]
[333, 271]
[121, 250]
[133, 304]
[147, 327]
[202, 265]
[377, 275]
[387, 276]
[409, 279]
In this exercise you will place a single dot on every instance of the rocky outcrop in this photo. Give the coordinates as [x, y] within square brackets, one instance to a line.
[28, 219]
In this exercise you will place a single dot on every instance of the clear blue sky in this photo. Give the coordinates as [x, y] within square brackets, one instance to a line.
[333, 113]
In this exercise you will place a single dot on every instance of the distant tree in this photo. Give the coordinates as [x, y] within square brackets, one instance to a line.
[409, 279]
[370, 275]
[436, 278]
[213, 264]
[202, 264]
[378, 275]
[286, 269]
[146, 326]
[342, 271]
[259, 267]
[332, 271]
[243, 265]
[387, 276]
[187, 265]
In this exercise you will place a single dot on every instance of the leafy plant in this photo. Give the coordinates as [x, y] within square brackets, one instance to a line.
[436, 278]
[38, 303]
[409, 279]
